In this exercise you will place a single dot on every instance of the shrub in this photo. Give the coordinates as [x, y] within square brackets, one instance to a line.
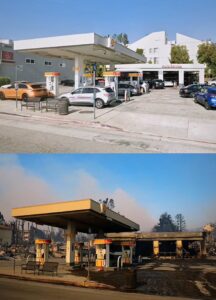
[4, 80]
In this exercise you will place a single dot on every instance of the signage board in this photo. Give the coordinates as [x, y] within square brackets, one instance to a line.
[7, 56]
[135, 75]
[112, 74]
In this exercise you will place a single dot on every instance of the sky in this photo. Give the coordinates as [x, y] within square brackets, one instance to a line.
[40, 18]
[142, 186]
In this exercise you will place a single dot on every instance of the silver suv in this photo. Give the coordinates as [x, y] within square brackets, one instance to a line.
[85, 95]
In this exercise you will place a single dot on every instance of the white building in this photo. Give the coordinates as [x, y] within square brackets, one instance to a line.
[157, 48]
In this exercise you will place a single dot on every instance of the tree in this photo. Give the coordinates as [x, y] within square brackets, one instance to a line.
[179, 55]
[140, 51]
[165, 224]
[180, 222]
[207, 55]
[2, 220]
[122, 38]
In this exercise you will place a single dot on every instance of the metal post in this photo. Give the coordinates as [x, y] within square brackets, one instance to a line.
[16, 86]
[14, 265]
[94, 75]
[88, 276]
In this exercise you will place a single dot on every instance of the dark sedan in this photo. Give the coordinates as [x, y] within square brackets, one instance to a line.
[190, 90]
[156, 84]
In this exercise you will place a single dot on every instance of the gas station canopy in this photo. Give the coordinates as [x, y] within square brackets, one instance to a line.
[91, 46]
[84, 214]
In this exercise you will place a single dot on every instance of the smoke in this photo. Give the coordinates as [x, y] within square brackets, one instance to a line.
[87, 186]
[20, 188]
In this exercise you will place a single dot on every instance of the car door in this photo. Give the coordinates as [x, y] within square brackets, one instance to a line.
[75, 96]
[87, 96]
[22, 89]
[202, 96]
[10, 92]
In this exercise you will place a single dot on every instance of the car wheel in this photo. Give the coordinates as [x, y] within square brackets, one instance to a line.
[2, 96]
[25, 97]
[207, 106]
[99, 103]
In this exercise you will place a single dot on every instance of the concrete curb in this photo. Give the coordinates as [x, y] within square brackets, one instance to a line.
[83, 284]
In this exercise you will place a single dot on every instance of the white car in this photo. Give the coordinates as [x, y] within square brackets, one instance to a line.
[168, 83]
[212, 82]
[85, 95]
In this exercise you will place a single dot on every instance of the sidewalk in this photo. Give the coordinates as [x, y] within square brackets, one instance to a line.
[64, 276]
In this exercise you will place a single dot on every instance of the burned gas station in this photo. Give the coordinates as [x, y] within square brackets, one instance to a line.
[117, 240]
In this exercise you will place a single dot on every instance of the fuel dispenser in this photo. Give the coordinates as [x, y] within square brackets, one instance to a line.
[78, 253]
[136, 82]
[111, 80]
[128, 248]
[52, 82]
[102, 253]
[42, 250]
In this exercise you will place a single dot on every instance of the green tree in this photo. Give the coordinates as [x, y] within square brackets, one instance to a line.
[140, 51]
[180, 222]
[165, 224]
[207, 55]
[180, 55]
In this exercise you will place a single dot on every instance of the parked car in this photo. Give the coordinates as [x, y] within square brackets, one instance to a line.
[67, 82]
[168, 83]
[156, 84]
[206, 97]
[212, 82]
[124, 86]
[25, 91]
[85, 95]
[190, 90]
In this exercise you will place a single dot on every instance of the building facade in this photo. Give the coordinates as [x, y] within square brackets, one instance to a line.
[33, 66]
[157, 47]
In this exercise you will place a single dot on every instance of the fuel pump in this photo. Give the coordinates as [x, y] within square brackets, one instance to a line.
[102, 253]
[127, 252]
[111, 80]
[42, 250]
[52, 82]
[138, 77]
[78, 253]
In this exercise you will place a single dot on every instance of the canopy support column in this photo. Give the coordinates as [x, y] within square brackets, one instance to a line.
[70, 242]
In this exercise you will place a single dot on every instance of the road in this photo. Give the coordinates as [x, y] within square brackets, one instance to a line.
[20, 140]
[15, 289]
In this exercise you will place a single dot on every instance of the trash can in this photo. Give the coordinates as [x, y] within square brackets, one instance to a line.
[63, 107]
[131, 278]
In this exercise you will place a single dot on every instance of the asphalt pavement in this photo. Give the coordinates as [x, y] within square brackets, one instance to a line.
[21, 290]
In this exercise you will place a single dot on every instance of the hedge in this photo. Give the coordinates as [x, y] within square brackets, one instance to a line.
[4, 80]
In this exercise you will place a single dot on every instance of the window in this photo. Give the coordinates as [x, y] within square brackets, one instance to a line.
[29, 61]
[150, 50]
[156, 60]
[78, 91]
[88, 91]
[62, 65]
[48, 63]
[155, 50]
[22, 86]
[108, 90]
